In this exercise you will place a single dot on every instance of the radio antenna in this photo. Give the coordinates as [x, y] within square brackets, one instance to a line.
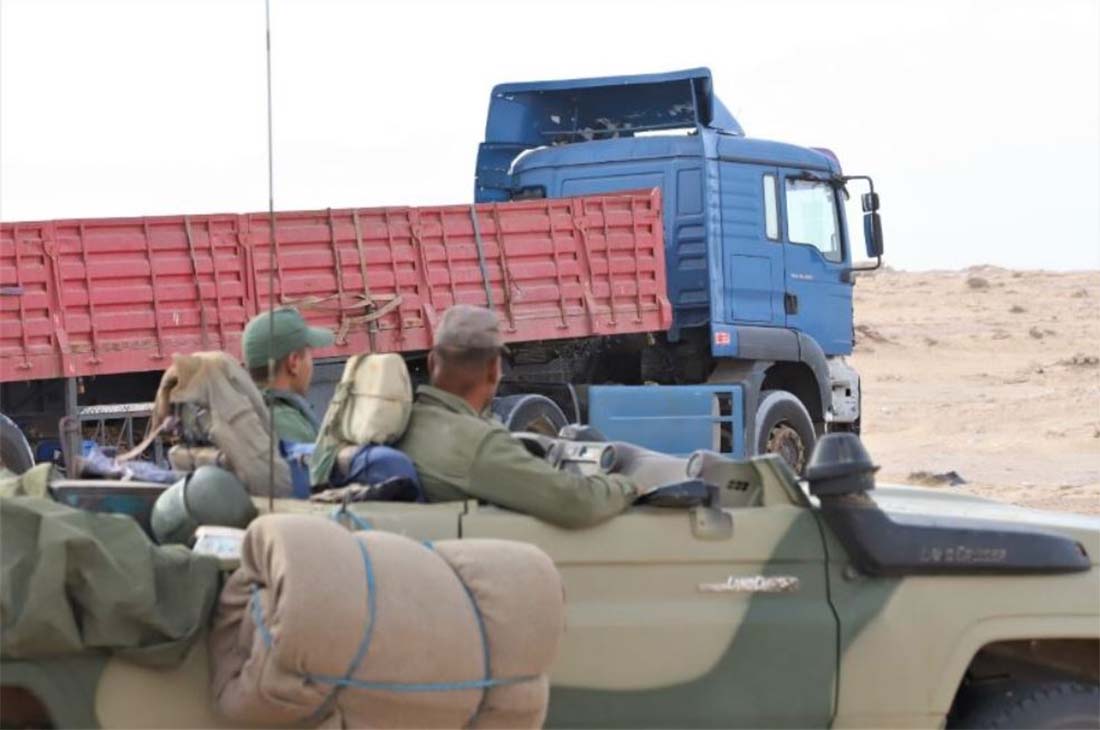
[270, 271]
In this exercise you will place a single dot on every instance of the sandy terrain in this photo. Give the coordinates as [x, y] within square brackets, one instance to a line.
[988, 373]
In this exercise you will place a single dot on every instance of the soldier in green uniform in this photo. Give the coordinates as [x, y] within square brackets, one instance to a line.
[460, 453]
[284, 335]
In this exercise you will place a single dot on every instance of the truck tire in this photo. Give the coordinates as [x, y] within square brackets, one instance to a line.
[1047, 706]
[784, 427]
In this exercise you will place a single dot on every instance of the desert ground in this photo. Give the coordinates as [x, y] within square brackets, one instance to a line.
[984, 380]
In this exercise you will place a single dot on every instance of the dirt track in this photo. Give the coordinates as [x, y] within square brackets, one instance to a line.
[989, 373]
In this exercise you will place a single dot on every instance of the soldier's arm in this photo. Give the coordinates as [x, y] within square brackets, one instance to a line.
[506, 474]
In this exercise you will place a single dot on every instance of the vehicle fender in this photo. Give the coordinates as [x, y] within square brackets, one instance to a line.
[1006, 628]
[956, 616]
[768, 345]
[811, 354]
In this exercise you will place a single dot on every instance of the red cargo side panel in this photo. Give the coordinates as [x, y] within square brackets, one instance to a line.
[101, 296]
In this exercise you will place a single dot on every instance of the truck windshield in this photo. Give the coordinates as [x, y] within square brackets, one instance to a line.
[811, 217]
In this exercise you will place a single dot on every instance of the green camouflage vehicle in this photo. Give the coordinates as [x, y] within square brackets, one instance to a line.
[764, 602]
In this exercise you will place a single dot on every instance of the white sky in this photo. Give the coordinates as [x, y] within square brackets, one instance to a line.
[980, 121]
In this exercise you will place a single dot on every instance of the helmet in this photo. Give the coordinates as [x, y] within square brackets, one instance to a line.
[207, 496]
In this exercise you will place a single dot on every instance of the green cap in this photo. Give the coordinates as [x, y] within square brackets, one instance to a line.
[288, 334]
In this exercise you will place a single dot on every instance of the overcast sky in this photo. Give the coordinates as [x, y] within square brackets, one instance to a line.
[980, 121]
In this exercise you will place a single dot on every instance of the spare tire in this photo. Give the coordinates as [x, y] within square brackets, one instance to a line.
[784, 427]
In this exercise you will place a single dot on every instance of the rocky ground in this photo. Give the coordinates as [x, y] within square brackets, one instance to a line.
[985, 380]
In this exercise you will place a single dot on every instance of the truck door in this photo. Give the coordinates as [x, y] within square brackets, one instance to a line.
[817, 299]
[656, 635]
[751, 249]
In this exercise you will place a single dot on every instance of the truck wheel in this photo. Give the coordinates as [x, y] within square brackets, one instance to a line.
[1047, 706]
[783, 427]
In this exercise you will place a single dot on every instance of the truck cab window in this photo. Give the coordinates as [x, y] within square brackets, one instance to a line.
[771, 214]
[811, 217]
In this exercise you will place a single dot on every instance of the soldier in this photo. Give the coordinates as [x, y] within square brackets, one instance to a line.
[289, 341]
[459, 452]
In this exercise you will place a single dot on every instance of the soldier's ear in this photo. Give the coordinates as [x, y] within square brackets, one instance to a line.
[494, 370]
[293, 362]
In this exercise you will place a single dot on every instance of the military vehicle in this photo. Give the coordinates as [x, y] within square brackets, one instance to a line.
[741, 597]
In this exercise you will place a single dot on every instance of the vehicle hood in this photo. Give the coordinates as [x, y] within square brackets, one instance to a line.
[904, 502]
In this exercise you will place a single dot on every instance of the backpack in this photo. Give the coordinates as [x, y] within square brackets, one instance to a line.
[371, 405]
[212, 400]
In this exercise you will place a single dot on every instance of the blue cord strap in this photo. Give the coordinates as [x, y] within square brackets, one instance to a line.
[258, 616]
[358, 522]
[419, 686]
[487, 682]
[364, 643]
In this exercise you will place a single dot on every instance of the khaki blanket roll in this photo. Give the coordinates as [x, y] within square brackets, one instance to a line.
[371, 629]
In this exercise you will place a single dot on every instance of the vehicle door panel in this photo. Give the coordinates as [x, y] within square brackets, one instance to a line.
[819, 299]
[646, 646]
[752, 264]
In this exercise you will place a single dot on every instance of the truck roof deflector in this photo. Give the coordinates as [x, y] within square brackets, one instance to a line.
[542, 112]
[523, 116]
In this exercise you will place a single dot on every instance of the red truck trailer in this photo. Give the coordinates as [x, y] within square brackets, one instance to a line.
[100, 297]
[119, 295]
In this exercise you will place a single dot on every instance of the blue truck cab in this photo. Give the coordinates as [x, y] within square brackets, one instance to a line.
[758, 252]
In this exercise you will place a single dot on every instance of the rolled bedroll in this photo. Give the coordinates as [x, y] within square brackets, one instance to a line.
[322, 626]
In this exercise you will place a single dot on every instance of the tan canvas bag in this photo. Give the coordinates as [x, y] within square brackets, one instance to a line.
[378, 401]
[233, 416]
[371, 405]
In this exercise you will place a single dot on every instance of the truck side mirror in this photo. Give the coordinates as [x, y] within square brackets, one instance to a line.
[872, 230]
[869, 201]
